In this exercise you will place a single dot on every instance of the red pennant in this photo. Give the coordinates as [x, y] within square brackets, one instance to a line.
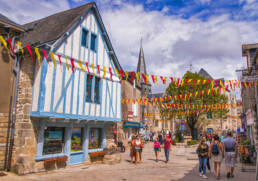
[87, 65]
[10, 45]
[29, 50]
[171, 79]
[45, 55]
[131, 77]
[217, 82]
[199, 93]
[153, 79]
[111, 74]
[178, 81]
[144, 78]
[194, 82]
[201, 81]
[72, 62]
[99, 71]
[187, 82]
[122, 74]
[59, 58]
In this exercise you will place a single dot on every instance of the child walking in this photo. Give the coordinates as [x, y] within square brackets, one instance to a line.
[157, 149]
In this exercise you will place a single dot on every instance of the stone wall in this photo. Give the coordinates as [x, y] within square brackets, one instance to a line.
[25, 144]
[3, 135]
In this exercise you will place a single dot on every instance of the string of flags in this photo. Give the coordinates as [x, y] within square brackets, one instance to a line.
[123, 75]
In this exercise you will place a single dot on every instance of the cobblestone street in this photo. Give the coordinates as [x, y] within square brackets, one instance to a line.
[177, 167]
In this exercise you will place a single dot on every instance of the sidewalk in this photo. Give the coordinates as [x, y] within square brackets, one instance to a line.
[239, 175]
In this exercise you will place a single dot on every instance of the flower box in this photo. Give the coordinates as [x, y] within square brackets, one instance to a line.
[98, 154]
[50, 161]
[62, 159]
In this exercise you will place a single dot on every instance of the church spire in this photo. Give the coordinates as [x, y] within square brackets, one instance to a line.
[141, 67]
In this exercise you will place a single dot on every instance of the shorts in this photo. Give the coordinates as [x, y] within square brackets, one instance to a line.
[230, 159]
[138, 149]
[217, 158]
[156, 149]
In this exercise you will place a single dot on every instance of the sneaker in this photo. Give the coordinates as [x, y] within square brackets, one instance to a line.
[204, 176]
[200, 174]
[228, 175]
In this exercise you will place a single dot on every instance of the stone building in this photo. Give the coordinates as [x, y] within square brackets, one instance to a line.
[63, 112]
[9, 68]
[250, 94]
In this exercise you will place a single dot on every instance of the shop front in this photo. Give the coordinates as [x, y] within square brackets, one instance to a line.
[72, 138]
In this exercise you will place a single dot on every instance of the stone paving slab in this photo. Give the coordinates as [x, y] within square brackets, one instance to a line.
[149, 170]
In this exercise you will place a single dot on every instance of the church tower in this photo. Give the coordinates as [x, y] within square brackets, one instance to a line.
[141, 69]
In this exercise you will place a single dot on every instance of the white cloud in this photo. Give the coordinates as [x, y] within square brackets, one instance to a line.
[24, 11]
[171, 43]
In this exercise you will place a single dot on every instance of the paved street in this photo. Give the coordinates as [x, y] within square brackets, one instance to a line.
[181, 167]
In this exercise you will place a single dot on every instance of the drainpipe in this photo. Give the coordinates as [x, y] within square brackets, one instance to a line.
[17, 72]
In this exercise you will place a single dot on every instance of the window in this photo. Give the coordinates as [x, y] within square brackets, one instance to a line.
[95, 138]
[96, 91]
[76, 140]
[88, 89]
[84, 38]
[93, 42]
[53, 140]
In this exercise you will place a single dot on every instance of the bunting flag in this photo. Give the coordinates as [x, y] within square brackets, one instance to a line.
[122, 74]
[38, 55]
[156, 79]
[137, 76]
[20, 47]
[59, 58]
[131, 77]
[111, 74]
[4, 42]
[66, 62]
[92, 67]
[53, 58]
[87, 66]
[10, 45]
[126, 75]
[80, 65]
[104, 72]
[98, 70]
[117, 73]
[153, 79]
[72, 63]
[144, 78]
[29, 50]
[45, 55]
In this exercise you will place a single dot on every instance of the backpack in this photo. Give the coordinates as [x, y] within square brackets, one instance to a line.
[215, 149]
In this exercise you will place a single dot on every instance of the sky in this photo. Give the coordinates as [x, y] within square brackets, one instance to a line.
[176, 33]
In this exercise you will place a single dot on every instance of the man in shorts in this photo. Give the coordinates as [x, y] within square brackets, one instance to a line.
[230, 147]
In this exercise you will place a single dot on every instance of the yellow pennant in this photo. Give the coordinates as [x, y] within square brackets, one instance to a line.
[4, 42]
[104, 72]
[93, 71]
[198, 82]
[182, 82]
[38, 55]
[137, 76]
[123, 101]
[80, 65]
[209, 92]
[53, 58]
[156, 79]
[67, 66]
[204, 81]
[202, 92]
[20, 47]
[147, 79]
[126, 75]
[212, 84]
[117, 73]
[196, 94]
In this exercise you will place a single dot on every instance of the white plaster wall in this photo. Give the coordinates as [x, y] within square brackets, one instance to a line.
[119, 101]
[103, 102]
[81, 92]
[75, 92]
[68, 93]
[58, 88]
[48, 84]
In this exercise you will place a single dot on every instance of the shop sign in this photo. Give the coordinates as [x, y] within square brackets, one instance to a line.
[249, 117]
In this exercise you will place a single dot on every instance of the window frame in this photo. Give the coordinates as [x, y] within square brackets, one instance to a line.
[95, 42]
[98, 89]
[87, 84]
[87, 37]
[100, 137]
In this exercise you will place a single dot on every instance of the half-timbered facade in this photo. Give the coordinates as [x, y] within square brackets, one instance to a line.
[72, 111]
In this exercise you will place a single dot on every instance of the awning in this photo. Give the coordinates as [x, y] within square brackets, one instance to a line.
[132, 124]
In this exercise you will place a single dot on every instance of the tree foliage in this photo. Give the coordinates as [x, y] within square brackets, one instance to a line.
[192, 119]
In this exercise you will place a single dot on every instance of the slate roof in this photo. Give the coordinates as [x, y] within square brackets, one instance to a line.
[204, 73]
[52, 27]
[6, 20]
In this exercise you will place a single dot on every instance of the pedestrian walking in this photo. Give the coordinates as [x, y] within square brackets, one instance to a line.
[132, 149]
[167, 142]
[138, 149]
[157, 149]
[216, 153]
[160, 138]
[208, 159]
[202, 152]
[230, 146]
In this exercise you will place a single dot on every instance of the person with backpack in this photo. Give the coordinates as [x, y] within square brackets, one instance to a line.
[202, 152]
[217, 154]
[230, 146]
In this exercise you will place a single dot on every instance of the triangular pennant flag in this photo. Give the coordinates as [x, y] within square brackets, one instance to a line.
[29, 50]
[111, 74]
[10, 45]
[45, 55]
[38, 55]
[20, 47]
[72, 63]
[4, 42]
[104, 72]
[80, 65]
[53, 58]
[98, 71]
[88, 69]
[59, 58]
[126, 75]
[66, 63]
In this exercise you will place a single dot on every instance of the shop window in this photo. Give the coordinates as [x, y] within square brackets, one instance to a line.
[93, 42]
[53, 140]
[95, 138]
[88, 89]
[97, 91]
[76, 140]
[84, 38]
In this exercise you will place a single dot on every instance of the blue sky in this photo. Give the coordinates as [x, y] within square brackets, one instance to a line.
[176, 33]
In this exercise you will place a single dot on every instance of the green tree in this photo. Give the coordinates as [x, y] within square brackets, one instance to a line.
[192, 119]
